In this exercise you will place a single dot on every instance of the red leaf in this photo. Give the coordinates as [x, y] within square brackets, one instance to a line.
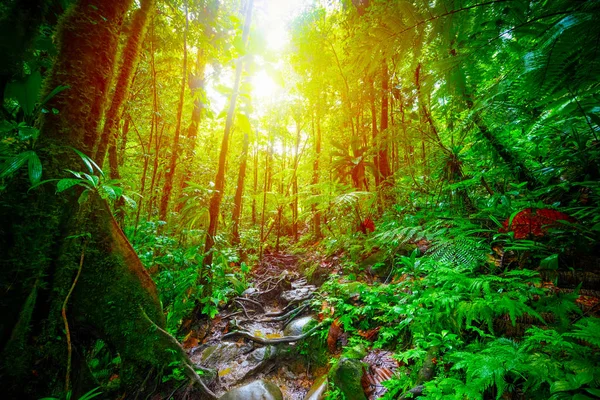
[534, 222]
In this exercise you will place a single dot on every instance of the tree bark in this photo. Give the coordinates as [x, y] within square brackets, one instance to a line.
[129, 59]
[384, 165]
[215, 200]
[239, 192]
[315, 180]
[197, 84]
[115, 299]
[170, 173]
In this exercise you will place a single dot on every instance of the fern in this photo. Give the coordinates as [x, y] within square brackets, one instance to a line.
[588, 330]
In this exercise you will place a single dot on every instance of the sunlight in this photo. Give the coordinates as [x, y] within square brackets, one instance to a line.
[263, 86]
[274, 15]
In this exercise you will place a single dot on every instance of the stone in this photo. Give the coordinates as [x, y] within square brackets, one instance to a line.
[298, 326]
[347, 375]
[257, 390]
[248, 365]
[216, 355]
[318, 389]
[298, 295]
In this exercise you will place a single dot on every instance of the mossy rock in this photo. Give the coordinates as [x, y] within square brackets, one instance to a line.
[298, 326]
[346, 375]
[257, 390]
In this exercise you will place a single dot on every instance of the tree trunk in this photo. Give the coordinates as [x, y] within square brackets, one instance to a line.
[197, 84]
[129, 59]
[384, 165]
[115, 299]
[315, 180]
[295, 183]
[265, 190]
[170, 173]
[255, 185]
[215, 200]
[376, 167]
[239, 192]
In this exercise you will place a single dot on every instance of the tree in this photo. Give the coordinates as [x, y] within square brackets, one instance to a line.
[77, 260]
[215, 200]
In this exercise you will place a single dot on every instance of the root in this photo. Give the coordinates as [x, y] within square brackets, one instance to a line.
[188, 368]
[286, 339]
[63, 312]
[289, 314]
[250, 301]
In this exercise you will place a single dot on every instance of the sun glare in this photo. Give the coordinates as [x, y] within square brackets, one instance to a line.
[263, 86]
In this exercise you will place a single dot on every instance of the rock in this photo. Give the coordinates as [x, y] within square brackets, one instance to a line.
[297, 326]
[347, 375]
[257, 390]
[219, 354]
[318, 389]
[300, 294]
[247, 365]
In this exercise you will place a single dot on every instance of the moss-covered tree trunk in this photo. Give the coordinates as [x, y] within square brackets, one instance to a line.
[115, 299]
[170, 173]
[123, 83]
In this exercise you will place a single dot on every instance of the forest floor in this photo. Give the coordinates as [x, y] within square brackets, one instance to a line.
[258, 334]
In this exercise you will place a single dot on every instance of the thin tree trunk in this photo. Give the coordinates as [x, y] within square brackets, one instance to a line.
[376, 167]
[295, 183]
[384, 165]
[255, 185]
[170, 173]
[197, 84]
[129, 61]
[123, 144]
[215, 200]
[315, 180]
[156, 176]
[265, 190]
[239, 192]
[153, 132]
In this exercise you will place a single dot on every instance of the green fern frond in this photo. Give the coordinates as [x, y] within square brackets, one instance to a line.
[588, 330]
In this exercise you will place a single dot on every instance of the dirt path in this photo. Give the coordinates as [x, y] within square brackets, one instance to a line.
[255, 336]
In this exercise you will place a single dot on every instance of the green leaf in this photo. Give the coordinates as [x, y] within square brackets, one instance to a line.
[53, 93]
[83, 196]
[88, 162]
[15, 163]
[34, 168]
[26, 92]
[550, 262]
[66, 183]
[243, 123]
[129, 201]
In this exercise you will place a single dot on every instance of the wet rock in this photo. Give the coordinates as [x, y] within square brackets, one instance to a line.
[318, 389]
[257, 390]
[247, 365]
[298, 326]
[216, 355]
[347, 375]
[250, 291]
[298, 295]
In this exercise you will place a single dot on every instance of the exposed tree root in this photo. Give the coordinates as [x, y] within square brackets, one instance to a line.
[188, 367]
[291, 313]
[286, 339]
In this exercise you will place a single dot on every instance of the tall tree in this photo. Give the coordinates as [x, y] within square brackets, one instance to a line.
[217, 197]
[129, 59]
[170, 173]
[78, 260]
